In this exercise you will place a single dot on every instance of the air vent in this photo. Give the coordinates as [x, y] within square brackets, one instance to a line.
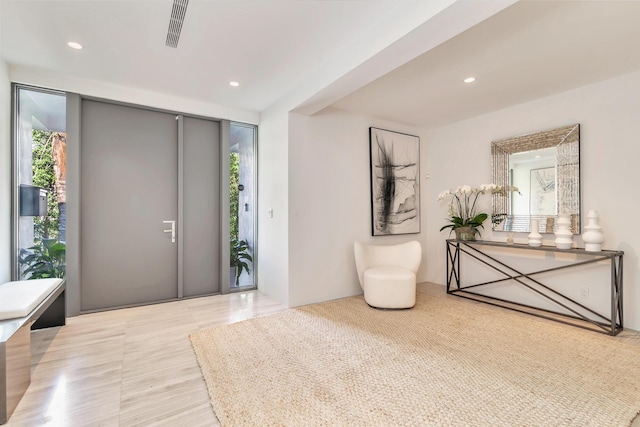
[175, 23]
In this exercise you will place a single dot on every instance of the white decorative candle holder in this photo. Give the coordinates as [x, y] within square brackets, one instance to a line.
[535, 238]
[593, 236]
[564, 236]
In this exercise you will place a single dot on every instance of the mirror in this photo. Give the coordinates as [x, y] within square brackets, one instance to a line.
[545, 166]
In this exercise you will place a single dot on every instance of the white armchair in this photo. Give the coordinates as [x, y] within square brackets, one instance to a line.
[387, 273]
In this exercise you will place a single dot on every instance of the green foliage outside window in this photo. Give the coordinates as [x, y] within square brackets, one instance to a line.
[46, 258]
[44, 177]
[240, 256]
[234, 181]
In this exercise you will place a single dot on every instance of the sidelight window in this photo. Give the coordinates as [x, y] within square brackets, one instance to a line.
[39, 183]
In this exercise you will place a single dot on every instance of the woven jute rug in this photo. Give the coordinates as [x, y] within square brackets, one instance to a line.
[447, 362]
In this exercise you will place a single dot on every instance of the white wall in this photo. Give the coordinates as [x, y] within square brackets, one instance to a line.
[330, 204]
[286, 160]
[608, 114]
[5, 173]
[273, 233]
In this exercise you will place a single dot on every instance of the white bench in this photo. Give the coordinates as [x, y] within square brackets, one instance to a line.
[24, 306]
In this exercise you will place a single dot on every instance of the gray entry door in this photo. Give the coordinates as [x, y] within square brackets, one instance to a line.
[129, 187]
[200, 212]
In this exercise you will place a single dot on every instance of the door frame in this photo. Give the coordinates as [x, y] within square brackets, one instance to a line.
[74, 214]
[73, 189]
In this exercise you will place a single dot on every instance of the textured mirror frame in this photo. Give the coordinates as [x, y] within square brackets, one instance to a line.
[567, 142]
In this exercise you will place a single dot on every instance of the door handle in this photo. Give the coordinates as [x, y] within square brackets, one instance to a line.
[172, 230]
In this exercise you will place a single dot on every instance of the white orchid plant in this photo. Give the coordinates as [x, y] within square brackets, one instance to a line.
[463, 206]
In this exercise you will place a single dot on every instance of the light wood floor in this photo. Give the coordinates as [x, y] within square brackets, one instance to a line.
[129, 367]
[135, 366]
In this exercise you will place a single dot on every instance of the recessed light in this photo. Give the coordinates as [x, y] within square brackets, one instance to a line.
[74, 45]
[234, 84]
[470, 80]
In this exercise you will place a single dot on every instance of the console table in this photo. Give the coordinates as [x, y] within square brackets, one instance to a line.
[609, 324]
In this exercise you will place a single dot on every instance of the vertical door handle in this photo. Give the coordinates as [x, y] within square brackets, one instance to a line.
[172, 230]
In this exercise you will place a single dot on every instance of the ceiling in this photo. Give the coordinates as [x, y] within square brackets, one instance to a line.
[528, 50]
[268, 46]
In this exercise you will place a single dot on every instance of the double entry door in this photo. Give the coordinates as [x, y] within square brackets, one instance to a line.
[150, 206]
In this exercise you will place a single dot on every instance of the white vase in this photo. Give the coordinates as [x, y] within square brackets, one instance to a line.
[535, 238]
[564, 236]
[593, 236]
[510, 238]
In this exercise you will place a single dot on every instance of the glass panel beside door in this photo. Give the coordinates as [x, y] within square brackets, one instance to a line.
[39, 184]
[242, 195]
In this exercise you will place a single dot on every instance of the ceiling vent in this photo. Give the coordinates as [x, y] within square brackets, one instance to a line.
[175, 23]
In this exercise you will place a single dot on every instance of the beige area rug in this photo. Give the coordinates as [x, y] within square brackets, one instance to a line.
[445, 362]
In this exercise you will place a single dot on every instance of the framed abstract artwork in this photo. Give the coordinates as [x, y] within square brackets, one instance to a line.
[395, 182]
[543, 191]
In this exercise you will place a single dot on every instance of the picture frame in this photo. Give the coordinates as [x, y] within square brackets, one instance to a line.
[395, 182]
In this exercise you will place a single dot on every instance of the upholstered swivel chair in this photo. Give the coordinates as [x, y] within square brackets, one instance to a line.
[387, 273]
